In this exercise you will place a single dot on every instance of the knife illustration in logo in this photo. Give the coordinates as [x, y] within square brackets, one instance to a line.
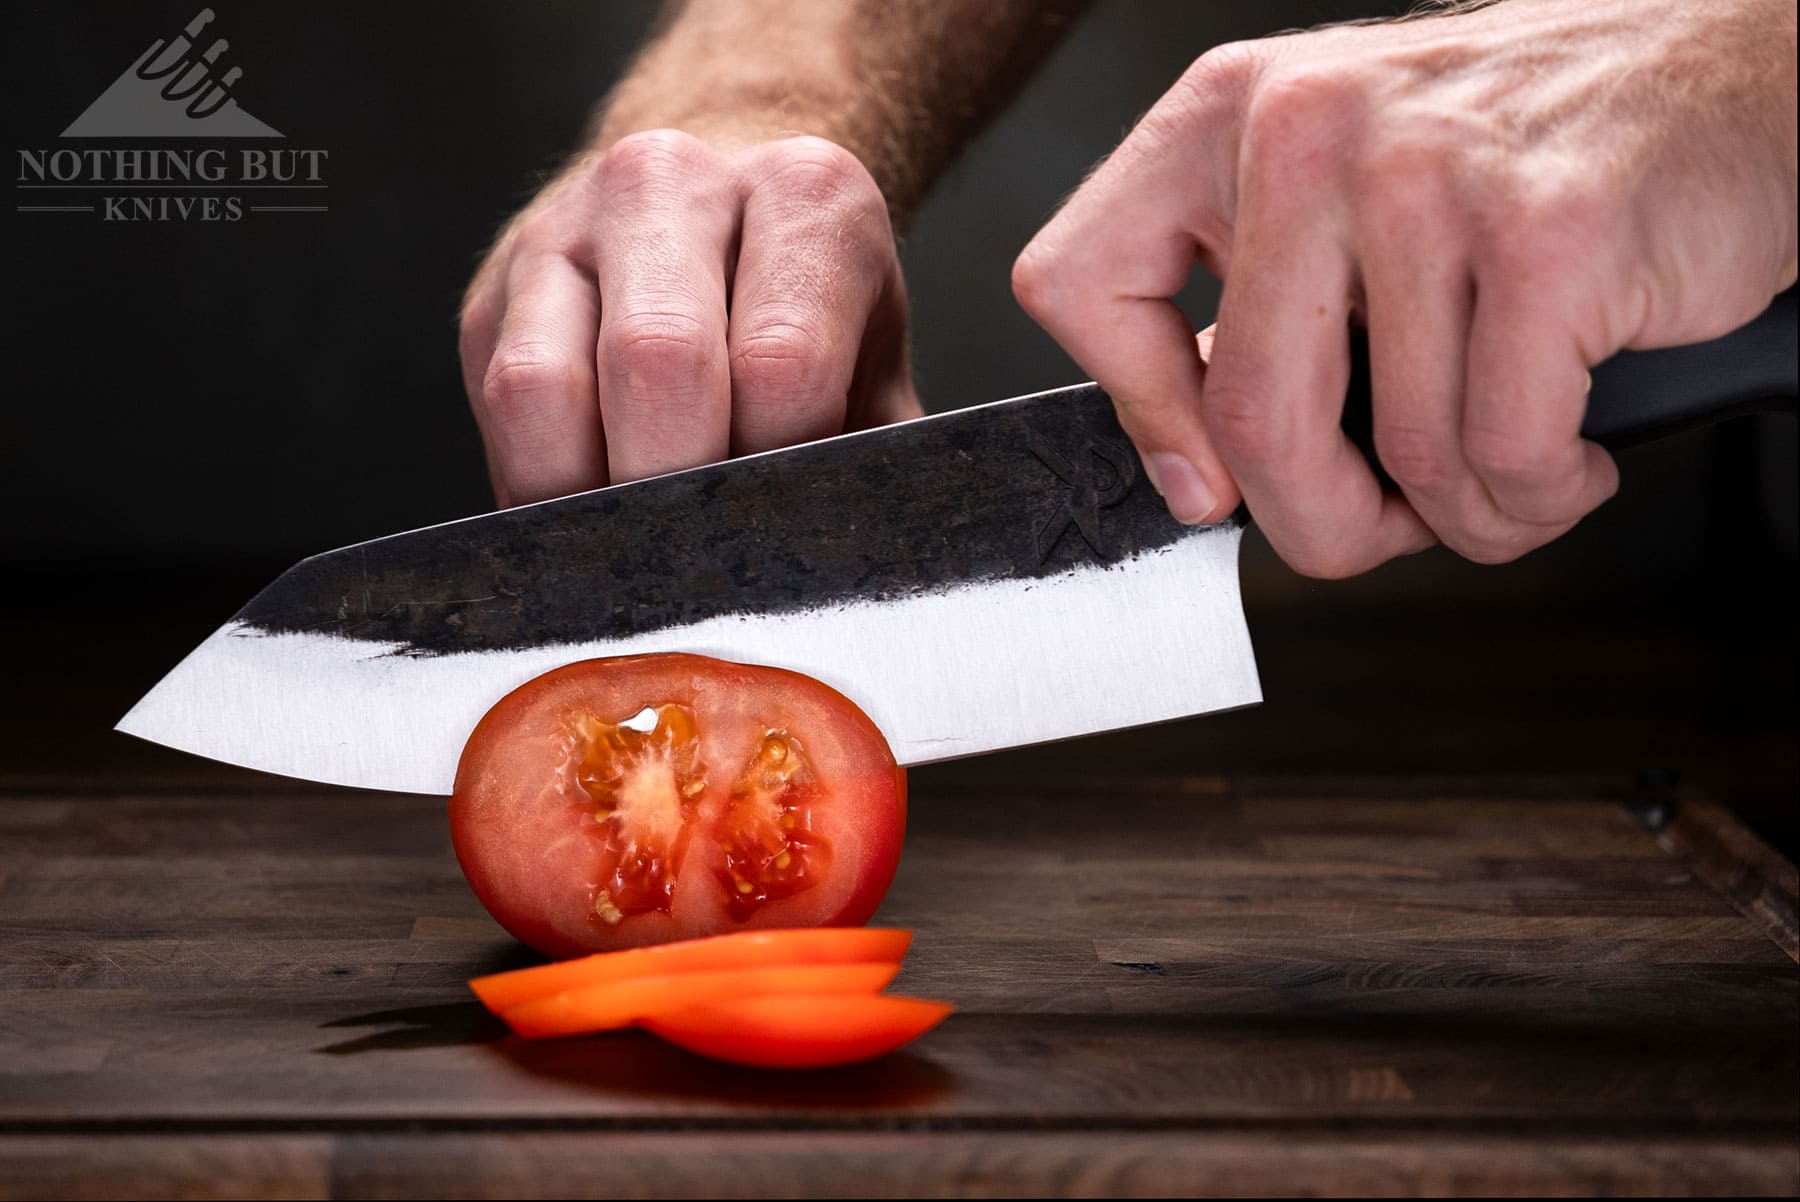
[173, 90]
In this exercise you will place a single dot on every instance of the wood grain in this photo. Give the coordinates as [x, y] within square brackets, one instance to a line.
[1188, 985]
[876, 1164]
[1760, 883]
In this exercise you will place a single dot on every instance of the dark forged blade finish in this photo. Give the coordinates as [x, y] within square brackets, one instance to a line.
[1006, 492]
[985, 578]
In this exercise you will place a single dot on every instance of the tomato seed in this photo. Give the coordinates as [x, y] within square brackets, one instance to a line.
[609, 913]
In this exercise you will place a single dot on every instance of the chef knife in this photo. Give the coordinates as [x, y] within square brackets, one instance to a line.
[986, 578]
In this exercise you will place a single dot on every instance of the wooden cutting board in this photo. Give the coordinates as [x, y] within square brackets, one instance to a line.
[1174, 986]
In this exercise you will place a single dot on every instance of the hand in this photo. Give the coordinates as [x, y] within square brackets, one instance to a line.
[667, 303]
[1506, 196]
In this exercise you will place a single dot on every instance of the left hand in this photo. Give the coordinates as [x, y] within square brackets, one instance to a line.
[668, 301]
[1506, 196]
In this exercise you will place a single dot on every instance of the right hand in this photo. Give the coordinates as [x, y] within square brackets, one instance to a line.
[666, 304]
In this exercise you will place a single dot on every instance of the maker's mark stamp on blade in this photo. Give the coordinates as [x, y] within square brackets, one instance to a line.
[1089, 488]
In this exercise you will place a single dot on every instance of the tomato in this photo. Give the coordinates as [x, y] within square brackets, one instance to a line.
[623, 802]
[798, 1031]
[621, 1003]
[740, 949]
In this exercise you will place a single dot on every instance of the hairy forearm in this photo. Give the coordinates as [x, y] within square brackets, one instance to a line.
[902, 84]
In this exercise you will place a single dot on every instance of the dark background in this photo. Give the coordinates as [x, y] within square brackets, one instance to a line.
[192, 407]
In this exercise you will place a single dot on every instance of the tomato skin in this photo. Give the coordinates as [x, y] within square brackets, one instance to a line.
[529, 840]
[620, 1003]
[739, 949]
[798, 1031]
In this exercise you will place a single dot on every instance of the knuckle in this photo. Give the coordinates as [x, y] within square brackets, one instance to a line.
[522, 376]
[1511, 456]
[1334, 561]
[1492, 546]
[1407, 180]
[1211, 89]
[779, 362]
[815, 166]
[1484, 534]
[1294, 112]
[1548, 230]
[657, 352]
[641, 158]
[475, 326]
[1541, 511]
[1568, 208]
[1222, 74]
[1037, 279]
[810, 175]
[541, 228]
[1241, 426]
[1414, 456]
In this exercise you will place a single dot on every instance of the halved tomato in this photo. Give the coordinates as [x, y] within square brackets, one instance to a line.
[623, 802]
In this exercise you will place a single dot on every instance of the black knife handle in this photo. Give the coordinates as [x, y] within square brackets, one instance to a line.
[1640, 395]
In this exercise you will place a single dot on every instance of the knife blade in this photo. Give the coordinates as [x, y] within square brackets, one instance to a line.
[985, 578]
[989, 577]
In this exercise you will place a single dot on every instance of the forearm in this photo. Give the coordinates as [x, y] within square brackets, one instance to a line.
[899, 83]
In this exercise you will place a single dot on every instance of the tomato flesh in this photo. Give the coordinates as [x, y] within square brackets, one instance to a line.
[639, 800]
[766, 831]
[620, 1003]
[740, 949]
[798, 1030]
[643, 786]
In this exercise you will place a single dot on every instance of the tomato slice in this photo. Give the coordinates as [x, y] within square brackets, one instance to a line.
[618, 803]
[740, 949]
[621, 1003]
[798, 1030]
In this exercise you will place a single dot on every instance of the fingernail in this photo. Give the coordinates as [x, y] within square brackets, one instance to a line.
[1179, 483]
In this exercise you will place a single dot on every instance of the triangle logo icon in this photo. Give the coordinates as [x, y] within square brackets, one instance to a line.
[176, 89]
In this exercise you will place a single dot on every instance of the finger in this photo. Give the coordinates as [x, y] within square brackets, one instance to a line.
[538, 415]
[1418, 298]
[664, 237]
[1275, 390]
[1099, 278]
[479, 329]
[1527, 395]
[817, 254]
[881, 391]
